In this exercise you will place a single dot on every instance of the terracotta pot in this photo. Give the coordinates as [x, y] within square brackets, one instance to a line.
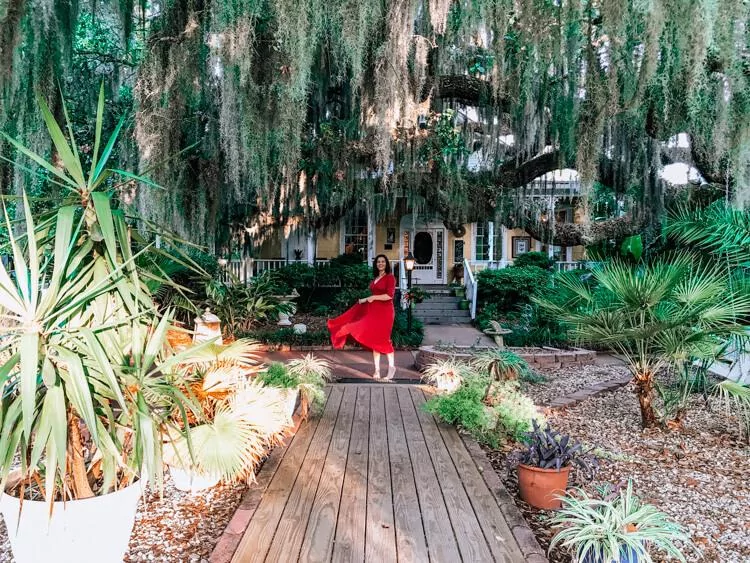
[538, 486]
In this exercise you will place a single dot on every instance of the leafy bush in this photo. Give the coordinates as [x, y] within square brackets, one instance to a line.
[514, 412]
[277, 375]
[538, 259]
[293, 276]
[401, 337]
[288, 336]
[463, 408]
[511, 288]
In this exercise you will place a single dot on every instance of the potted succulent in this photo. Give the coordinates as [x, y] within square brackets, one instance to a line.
[544, 467]
[615, 528]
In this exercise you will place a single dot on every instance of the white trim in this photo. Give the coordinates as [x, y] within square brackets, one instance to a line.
[472, 243]
[491, 240]
[568, 253]
[412, 225]
[371, 234]
[504, 244]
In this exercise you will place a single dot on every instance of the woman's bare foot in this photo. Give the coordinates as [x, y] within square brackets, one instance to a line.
[376, 375]
[391, 373]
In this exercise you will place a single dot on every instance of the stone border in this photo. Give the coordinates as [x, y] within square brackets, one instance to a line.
[522, 533]
[550, 358]
[588, 392]
[230, 538]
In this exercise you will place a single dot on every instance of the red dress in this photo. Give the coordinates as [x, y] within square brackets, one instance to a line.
[370, 324]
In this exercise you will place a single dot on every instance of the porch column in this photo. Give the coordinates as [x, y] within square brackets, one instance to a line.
[491, 241]
[504, 244]
[370, 233]
[311, 247]
[568, 253]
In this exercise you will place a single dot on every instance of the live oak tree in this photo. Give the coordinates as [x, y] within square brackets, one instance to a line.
[297, 112]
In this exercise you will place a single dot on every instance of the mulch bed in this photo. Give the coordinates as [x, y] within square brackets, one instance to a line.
[698, 473]
[179, 526]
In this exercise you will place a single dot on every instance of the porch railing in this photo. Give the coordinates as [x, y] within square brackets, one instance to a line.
[246, 269]
[471, 288]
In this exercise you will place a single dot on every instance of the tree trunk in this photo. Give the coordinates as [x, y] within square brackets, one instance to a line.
[81, 487]
[644, 389]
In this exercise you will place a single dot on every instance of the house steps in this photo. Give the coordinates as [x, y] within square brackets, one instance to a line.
[441, 308]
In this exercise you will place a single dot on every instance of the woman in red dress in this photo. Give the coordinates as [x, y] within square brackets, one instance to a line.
[370, 321]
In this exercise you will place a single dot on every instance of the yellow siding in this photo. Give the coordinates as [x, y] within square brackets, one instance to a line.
[381, 236]
[329, 244]
[579, 253]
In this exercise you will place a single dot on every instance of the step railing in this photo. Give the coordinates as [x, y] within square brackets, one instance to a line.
[471, 288]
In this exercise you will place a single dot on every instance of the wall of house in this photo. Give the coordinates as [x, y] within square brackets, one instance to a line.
[271, 247]
[328, 244]
[381, 239]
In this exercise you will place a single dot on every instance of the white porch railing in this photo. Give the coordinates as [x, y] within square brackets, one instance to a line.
[247, 268]
[734, 365]
[471, 288]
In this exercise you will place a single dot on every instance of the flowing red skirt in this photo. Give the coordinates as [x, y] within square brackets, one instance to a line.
[370, 324]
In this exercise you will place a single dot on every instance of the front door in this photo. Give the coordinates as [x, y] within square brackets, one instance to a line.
[428, 248]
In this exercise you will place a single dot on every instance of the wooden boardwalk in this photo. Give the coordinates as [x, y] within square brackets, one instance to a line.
[375, 478]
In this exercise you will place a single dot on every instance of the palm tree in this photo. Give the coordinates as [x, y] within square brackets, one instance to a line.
[665, 314]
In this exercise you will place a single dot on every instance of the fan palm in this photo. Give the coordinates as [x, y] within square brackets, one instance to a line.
[668, 313]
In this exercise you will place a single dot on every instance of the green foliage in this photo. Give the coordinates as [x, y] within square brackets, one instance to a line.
[277, 375]
[401, 336]
[501, 365]
[665, 314]
[287, 336]
[464, 407]
[514, 411]
[609, 527]
[538, 259]
[511, 288]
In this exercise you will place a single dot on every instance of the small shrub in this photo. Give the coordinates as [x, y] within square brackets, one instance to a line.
[538, 259]
[511, 288]
[515, 412]
[277, 375]
[401, 336]
[463, 408]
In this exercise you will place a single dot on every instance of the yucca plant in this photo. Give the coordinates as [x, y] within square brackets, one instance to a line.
[87, 352]
[659, 315]
[615, 528]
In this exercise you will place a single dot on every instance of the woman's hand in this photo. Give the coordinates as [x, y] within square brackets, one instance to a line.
[364, 300]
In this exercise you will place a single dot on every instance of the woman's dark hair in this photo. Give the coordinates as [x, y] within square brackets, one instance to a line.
[375, 272]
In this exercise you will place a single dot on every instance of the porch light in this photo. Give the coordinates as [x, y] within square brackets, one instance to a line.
[409, 262]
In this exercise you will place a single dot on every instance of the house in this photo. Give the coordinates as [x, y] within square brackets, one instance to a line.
[439, 251]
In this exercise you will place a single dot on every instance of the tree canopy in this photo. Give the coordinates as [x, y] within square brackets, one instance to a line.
[259, 112]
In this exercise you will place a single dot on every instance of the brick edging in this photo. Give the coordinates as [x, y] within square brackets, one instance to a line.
[230, 538]
[522, 533]
[588, 392]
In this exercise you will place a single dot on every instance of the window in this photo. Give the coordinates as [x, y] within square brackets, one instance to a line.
[482, 242]
[355, 234]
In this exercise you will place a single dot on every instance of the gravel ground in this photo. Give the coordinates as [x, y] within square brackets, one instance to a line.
[178, 528]
[698, 474]
[568, 380]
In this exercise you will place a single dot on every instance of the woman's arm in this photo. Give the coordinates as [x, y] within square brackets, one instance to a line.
[390, 288]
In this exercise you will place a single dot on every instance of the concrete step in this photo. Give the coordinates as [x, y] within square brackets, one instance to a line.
[436, 306]
[440, 299]
[440, 317]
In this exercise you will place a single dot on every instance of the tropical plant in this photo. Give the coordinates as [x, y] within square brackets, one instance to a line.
[736, 399]
[313, 374]
[549, 449]
[243, 425]
[88, 362]
[613, 526]
[501, 365]
[659, 315]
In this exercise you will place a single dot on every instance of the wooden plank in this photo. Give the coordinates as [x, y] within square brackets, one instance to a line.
[259, 534]
[380, 530]
[290, 532]
[441, 540]
[469, 534]
[410, 540]
[317, 544]
[232, 535]
[350, 530]
[494, 525]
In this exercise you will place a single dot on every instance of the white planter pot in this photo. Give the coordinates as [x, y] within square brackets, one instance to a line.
[94, 530]
[287, 397]
[188, 481]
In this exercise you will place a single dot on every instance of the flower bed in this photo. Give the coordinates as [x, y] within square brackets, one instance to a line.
[536, 357]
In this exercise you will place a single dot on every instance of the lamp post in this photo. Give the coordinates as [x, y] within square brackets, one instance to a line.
[409, 265]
